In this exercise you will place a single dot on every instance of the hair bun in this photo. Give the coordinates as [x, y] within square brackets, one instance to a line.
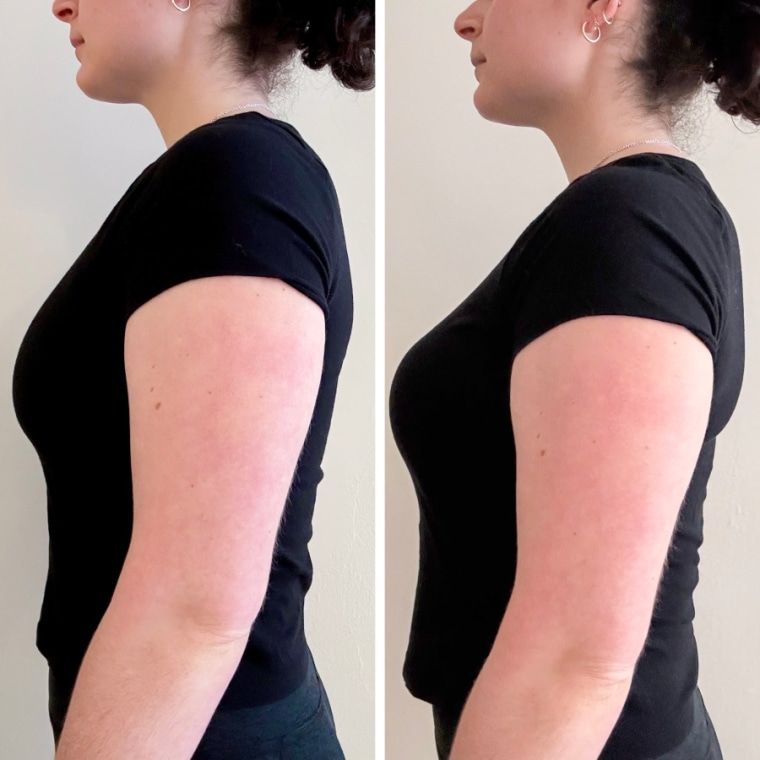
[735, 59]
[265, 34]
[341, 35]
[742, 6]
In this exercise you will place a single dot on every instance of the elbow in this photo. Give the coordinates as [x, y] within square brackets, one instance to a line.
[224, 618]
[609, 660]
[600, 663]
[213, 628]
[593, 664]
[604, 672]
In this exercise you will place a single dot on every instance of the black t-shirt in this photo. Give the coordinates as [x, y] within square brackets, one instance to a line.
[642, 236]
[242, 196]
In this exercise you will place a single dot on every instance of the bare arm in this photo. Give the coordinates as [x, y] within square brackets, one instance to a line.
[222, 374]
[609, 415]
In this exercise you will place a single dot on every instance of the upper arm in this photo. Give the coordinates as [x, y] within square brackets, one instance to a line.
[609, 415]
[222, 375]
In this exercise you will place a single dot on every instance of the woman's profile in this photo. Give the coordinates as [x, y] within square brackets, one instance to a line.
[559, 425]
[178, 385]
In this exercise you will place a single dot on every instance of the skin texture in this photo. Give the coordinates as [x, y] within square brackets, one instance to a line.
[534, 68]
[222, 376]
[609, 414]
[147, 52]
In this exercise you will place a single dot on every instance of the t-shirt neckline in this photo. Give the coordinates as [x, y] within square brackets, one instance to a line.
[685, 162]
[650, 154]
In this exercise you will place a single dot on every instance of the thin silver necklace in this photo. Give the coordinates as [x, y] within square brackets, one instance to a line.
[240, 108]
[631, 144]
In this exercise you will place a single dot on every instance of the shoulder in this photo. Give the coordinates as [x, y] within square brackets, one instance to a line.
[247, 138]
[237, 159]
[244, 197]
[635, 213]
[667, 193]
[639, 239]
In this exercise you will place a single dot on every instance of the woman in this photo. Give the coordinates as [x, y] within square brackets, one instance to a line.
[178, 385]
[559, 425]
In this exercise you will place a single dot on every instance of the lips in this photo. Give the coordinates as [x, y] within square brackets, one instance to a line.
[76, 41]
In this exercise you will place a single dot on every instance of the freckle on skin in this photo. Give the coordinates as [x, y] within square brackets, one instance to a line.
[538, 436]
[158, 405]
[543, 452]
[151, 390]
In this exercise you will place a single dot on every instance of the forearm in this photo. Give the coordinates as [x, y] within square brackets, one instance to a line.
[531, 710]
[147, 689]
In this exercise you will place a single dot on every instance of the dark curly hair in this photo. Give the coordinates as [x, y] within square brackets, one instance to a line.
[690, 43]
[268, 33]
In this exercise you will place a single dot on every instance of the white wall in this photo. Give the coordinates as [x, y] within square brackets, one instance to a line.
[459, 192]
[64, 162]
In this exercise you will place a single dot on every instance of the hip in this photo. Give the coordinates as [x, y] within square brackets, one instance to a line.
[299, 726]
[700, 744]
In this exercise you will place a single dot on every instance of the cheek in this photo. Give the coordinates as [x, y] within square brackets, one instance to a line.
[509, 72]
[117, 67]
[128, 31]
[126, 46]
[524, 76]
[533, 43]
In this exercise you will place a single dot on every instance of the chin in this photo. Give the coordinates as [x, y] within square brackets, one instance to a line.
[96, 89]
[501, 110]
[488, 107]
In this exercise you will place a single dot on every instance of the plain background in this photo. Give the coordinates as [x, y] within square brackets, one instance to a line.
[64, 162]
[459, 192]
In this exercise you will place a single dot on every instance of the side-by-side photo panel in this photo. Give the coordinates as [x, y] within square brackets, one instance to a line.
[573, 270]
[187, 193]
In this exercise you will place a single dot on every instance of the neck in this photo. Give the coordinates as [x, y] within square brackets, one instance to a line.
[193, 95]
[586, 132]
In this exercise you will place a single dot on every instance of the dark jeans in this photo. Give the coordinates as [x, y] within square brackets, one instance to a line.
[700, 744]
[298, 727]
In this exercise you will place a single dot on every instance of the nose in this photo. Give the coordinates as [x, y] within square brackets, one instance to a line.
[468, 24]
[65, 10]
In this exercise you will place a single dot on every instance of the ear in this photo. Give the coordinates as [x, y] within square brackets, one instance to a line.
[611, 8]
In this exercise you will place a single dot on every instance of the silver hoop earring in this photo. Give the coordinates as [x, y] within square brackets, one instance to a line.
[598, 29]
[184, 10]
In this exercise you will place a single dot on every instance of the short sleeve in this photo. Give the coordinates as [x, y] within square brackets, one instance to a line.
[629, 243]
[234, 199]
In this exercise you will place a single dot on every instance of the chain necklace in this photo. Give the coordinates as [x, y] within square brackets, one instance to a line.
[240, 108]
[631, 144]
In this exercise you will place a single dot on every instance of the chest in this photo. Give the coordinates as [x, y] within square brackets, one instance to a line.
[449, 401]
[69, 384]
